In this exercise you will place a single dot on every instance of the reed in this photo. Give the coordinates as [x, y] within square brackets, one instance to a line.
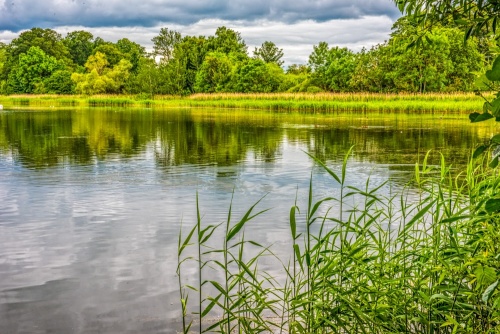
[283, 102]
[424, 260]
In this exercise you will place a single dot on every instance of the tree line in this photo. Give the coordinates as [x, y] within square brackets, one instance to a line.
[41, 61]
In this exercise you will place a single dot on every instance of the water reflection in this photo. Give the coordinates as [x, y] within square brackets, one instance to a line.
[91, 200]
[45, 139]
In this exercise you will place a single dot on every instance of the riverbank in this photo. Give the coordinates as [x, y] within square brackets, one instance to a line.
[282, 102]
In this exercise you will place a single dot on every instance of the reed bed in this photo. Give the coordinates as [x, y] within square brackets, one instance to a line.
[281, 102]
[412, 262]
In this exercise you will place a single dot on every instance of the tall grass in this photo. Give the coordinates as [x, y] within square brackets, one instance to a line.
[284, 102]
[424, 261]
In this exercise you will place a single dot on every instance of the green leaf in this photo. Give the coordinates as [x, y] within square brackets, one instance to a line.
[246, 218]
[293, 222]
[494, 163]
[494, 73]
[478, 151]
[328, 170]
[485, 275]
[489, 291]
[419, 215]
[495, 106]
[495, 139]
[492, 205]
[477, 117]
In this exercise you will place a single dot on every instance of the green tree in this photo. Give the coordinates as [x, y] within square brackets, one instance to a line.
[47, 40]
[466, 58]
[112, 52]
[226, 41]
[214, 73]
[59, 83]
[164, 44]
[319, 60]
[332, 68]
[33, 68]
[190, 54]
[341, 65]
[298, 69]
[269, 53]
[80, 45]
[153, 79]
[256, 76]
[373, 69]
[3, 59]
[133, 52]
[424, 69]
[100, 77]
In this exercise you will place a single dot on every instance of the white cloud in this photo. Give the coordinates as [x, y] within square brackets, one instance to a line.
[17, 15]
[295, 39]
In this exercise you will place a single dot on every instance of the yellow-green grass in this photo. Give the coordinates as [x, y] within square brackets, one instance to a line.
[302, 102]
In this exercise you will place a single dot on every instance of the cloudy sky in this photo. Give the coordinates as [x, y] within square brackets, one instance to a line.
[294, 25]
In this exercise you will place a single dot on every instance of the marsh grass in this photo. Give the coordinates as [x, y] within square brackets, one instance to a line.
[410, 262]
[282, 102]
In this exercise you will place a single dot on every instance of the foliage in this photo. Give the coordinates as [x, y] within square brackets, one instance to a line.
[269, 53]
[257, 76]
[111, 51]
[164, 44]
[220, 63]
[474, 17]
[226, 41]
[100, 77]
[47, 40]
[214, 73]
[342, 62]
[133, 52]
[190, 53]
[33, 68]
[381, 265]
[59, 83]
[80, 45]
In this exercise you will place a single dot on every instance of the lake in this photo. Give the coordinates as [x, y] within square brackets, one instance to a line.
[92, 200]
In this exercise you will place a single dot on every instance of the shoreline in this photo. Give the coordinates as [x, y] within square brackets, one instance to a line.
[462, 103]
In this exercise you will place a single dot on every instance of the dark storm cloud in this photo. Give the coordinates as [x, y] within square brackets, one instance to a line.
[17, 15]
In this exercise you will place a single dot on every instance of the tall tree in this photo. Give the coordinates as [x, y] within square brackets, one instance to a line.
[190, 54]
[101, 77]
[227, 41]
[342, 62]
[256, 76]
[214, 74]
[165, 43]
[319, 62]
[80, 45]
[33, 68]
[133, 52]
[269, 53]
[112, 52]
[47, 40]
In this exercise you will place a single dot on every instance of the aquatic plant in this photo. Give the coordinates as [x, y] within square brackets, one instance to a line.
[282, 102]
[424, 260]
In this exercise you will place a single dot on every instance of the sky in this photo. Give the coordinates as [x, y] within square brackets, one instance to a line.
[293, 25]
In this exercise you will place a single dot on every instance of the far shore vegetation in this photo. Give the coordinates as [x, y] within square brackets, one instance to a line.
[444, 103]
[42, 61]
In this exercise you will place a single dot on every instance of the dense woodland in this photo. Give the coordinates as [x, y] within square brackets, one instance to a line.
[41, 61]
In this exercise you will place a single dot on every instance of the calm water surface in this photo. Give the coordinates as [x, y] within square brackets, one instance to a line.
[91, 201]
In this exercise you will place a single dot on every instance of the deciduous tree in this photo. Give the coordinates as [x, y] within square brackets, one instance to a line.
[165, 43]
[269, 53]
